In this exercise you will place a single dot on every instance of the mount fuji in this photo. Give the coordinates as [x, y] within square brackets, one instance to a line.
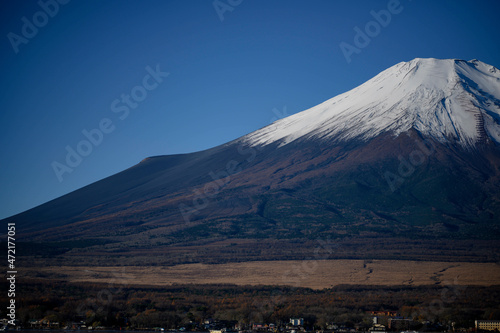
[407, 165]
[448, 100]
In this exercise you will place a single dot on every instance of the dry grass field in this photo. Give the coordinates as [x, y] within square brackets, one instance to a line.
[316, 274]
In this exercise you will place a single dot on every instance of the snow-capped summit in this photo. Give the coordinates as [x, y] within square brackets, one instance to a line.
[449, 100]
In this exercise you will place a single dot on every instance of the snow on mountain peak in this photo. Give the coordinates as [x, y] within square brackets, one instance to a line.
[449, 100]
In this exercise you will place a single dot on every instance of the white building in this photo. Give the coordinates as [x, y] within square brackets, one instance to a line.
[487, 325]
[297, 321]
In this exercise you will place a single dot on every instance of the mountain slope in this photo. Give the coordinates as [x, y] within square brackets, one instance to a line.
[448, 100]
[386, 169]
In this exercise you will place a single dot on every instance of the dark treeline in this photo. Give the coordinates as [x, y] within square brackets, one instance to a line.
[190, 305]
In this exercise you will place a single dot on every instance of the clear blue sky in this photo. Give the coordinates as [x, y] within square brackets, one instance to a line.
[225, 76]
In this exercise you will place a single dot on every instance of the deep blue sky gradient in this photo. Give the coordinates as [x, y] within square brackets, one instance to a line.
[226, 77]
